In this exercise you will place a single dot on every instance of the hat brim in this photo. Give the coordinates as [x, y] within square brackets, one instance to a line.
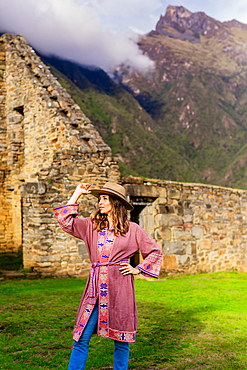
[97, 192]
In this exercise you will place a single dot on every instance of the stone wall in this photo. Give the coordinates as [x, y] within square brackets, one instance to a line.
[9, 231]
[3, 213]
[47, 147]
[199, 227]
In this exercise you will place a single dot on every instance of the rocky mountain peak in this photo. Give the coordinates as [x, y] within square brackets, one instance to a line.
[180, 23]
[235, 23]
[174, 13]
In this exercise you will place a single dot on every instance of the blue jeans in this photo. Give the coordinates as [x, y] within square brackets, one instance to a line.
[79, 354]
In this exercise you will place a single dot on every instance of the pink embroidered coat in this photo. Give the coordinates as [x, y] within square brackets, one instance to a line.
[117, 306]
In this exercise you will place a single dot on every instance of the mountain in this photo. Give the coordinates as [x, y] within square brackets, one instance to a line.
[197, 94]
[124, 125]
[187, 119]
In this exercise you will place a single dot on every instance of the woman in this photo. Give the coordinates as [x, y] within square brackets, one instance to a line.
[108, 302]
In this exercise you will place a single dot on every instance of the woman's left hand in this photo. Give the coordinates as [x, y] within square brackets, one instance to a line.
[128, 269]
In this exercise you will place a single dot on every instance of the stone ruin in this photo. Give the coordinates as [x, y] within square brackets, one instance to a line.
[200, 228]
[48, 146]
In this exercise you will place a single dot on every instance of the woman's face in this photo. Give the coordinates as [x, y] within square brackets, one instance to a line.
[104, 204]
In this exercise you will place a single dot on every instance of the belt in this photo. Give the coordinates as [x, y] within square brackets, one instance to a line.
[94, 275]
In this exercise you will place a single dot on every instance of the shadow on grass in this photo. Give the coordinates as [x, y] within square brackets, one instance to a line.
[162, 334]
[177, 339]
[160, 337]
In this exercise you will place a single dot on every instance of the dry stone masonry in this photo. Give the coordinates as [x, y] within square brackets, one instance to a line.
[200, 228]
[48, 146]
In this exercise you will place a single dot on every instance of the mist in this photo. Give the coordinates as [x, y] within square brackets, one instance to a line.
[72, 30]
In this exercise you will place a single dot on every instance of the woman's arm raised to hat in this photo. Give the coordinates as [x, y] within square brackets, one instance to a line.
[67, 215]
[80, 189]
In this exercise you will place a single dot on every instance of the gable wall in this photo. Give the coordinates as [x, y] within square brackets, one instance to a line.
[49, 147]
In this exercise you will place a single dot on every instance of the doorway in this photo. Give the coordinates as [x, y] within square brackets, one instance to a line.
[139, 203]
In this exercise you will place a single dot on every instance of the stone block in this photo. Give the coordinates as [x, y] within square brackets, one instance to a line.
[188, 249]
[183, 260]
[171, 247]
[13, 275]
[179, 210]
[149, 221]
[33, 188]
[173, 194]
[44, 264]
[160, 200]
[197, 232]
[172, 201]
[83, 273]
[162, 208]
[205, 244]
[208, 216]
[188, 225]
[234, 197]
[188, 218]
[181, 233]
[162, 192]
[188, 211]
[221, 252]
[168, 220]
[82, 250]
[163, 234]
[185, 194]
[170, 262]
[139, 190]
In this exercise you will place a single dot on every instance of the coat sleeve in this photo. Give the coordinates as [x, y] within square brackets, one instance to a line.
[151, 253]
[67, 218]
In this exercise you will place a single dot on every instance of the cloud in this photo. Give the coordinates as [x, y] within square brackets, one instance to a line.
[102, 33]
[73, 29]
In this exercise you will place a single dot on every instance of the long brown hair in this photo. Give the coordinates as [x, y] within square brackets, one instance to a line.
[119, 217]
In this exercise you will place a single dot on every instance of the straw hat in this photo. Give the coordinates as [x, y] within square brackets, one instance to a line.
[116, 190]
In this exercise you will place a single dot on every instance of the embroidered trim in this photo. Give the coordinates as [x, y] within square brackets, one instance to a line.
[99, 289]
[65, 214]
[67, 205]
[85, 317]
[104, 254]
[122, 336]
[151, 264]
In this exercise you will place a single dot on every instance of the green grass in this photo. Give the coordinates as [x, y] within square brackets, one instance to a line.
[189, 322]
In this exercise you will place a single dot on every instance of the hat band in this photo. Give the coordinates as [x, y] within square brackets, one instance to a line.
[114, 191]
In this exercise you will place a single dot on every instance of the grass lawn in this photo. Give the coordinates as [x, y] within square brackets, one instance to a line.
[187, 322]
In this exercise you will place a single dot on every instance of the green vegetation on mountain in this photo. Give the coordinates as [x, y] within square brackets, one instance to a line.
[197, 94]
[187, 119]
[124, 125]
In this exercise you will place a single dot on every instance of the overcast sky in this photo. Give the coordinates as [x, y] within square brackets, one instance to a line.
[100, 32]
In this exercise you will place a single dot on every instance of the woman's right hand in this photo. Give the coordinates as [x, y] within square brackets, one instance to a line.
[83, 188]
[80, 189]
